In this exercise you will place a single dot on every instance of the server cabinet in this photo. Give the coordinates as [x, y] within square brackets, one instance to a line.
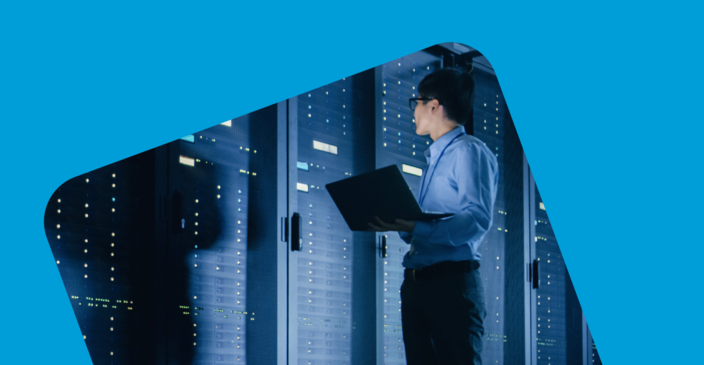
[219, 256]
[99, 228]
[332, 270]
[561, 335]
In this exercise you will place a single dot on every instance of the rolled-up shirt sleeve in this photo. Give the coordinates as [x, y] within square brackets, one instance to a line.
[476, 175]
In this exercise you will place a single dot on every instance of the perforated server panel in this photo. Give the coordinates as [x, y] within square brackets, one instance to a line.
[220, 298]
[334, 281]
[489, 127]
[99, 227]
[559, 314]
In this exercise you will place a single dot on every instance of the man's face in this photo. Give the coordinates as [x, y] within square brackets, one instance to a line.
[424, 114]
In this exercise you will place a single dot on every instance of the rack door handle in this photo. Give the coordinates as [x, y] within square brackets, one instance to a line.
[296, 232]
[536, 274]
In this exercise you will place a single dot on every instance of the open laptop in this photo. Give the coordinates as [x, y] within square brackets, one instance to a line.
[383, 193]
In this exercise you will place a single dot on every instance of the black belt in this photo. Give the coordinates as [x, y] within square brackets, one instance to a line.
[440, 269]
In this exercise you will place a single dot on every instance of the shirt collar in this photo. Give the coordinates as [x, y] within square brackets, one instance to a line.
[443, 141]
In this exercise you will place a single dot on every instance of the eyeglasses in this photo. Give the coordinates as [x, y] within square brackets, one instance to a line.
[414, 101]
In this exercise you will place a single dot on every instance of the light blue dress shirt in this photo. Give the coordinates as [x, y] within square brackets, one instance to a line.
[465, 183]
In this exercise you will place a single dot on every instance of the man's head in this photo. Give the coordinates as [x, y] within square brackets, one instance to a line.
[448, 101]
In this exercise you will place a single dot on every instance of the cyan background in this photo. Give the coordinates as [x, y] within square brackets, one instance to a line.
[605, 98]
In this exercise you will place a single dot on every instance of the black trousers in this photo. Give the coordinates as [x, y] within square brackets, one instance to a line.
[443, 319]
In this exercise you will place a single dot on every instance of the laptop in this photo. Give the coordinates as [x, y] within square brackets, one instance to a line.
[383, 193]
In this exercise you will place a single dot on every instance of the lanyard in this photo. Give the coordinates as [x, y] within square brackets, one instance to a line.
[422, 196]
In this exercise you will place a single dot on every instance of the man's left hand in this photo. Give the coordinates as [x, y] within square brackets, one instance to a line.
[399, 225]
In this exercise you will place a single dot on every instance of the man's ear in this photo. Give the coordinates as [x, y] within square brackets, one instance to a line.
[439, 108]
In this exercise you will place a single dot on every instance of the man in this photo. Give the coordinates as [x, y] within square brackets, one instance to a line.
[442, 297]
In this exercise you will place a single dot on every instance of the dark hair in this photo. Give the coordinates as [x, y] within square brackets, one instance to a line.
[454, 90]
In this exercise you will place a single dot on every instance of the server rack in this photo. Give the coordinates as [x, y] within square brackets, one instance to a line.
[99, 229]
[331, 269]
[220, 265]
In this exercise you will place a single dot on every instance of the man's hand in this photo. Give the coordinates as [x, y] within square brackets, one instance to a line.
[399, 225]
